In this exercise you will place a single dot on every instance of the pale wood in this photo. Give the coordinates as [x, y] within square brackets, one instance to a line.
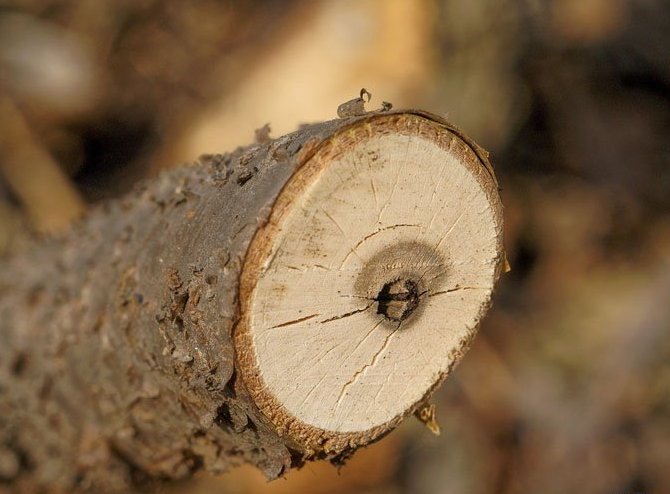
[368, 210]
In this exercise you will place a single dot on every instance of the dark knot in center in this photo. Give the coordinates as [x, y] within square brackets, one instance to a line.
[398, 299]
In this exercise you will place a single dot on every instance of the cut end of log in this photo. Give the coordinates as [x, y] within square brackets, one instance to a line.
[369, 280]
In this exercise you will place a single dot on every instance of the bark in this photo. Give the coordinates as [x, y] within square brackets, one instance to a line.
[116, 352]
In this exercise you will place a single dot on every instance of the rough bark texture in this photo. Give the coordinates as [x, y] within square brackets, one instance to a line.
[116, 357]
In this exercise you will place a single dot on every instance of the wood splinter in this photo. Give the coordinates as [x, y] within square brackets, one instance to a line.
[356, 106]
[294, 300]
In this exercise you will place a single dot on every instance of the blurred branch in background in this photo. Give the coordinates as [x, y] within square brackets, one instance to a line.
[567, 387]
[99, 85]
[49, 198]
[46, 77]
[321, 56]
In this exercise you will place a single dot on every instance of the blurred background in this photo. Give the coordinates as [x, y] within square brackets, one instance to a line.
[567, 386]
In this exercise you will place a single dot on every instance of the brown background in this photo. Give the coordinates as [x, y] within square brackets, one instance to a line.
[567, 387]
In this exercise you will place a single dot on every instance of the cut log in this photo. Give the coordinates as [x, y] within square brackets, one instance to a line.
[290, 301]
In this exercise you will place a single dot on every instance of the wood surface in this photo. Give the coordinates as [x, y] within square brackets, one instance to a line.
[295, 299]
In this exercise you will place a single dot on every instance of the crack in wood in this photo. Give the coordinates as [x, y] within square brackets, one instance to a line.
[295, 321]
[360, 242]
[344, 234]
[392, 227]
[372, 363]
[456, 289]
[444, 237]
[374, 192]
[388, 201]
[342, 316]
